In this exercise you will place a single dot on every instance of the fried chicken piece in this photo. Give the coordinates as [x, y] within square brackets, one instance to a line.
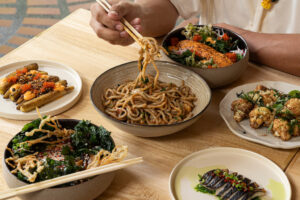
[281, 129]
[269, 96]
[241, 109]
[260, 116]
[260, 88]
[205, 51]
[293, 105]
[296, 131]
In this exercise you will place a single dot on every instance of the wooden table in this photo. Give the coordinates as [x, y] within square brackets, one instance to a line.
[72, 42]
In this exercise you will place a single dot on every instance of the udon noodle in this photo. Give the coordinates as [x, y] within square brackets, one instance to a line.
[146, 100]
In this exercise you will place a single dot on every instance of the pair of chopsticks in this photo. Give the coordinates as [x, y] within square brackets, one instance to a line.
[127, 26]
[69, 178]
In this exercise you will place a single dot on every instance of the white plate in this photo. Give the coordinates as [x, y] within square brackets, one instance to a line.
[184, 176]
[8, 108]
[243, 128]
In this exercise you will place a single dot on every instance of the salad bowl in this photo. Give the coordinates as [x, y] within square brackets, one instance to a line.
[214, 76]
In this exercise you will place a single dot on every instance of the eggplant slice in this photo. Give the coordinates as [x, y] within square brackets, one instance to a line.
[230, 185]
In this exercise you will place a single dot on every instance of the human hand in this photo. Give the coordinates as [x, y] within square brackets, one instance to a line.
[108, 25]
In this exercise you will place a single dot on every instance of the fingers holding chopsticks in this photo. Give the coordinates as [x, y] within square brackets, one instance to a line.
[108, 25]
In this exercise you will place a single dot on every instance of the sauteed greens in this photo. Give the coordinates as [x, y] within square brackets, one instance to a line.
[45, 150]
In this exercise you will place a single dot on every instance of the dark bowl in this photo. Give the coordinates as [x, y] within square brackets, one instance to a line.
[215, 77]
[88, 189]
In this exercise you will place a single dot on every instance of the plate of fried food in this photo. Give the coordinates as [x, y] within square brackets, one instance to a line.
[25, 85]
[264, 112]
[228, 173]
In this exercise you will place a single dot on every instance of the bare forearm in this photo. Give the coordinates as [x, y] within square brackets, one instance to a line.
[158, 17]
[279, 51]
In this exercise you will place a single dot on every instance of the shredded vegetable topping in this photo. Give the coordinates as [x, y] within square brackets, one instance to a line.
[45, 150]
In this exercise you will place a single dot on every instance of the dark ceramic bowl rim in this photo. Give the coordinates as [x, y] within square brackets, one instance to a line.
[147, 125]
[217, 27]
[55, 187]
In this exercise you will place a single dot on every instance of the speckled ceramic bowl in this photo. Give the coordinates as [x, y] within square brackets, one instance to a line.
[169, 72]
[215, 77]
[87, 190]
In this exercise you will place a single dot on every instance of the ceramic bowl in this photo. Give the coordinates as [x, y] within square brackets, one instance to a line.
[169, 72]
[87, 190]
[215, 77]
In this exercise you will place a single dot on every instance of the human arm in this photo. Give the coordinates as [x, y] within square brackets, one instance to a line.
[150, 17]
[279, 51]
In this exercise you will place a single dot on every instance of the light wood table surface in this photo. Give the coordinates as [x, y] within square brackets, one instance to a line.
[72, 42]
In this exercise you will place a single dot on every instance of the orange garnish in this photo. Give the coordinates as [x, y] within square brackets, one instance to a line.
[225, 37]
[25, 87]
[12, 79]
[37, 76]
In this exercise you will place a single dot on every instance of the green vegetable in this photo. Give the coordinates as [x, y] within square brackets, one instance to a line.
[253, 97]
[270, 127]
[181, 57]
[293, 123]
[200, 188]
[89, 138]
[32, 125]
[53, 168]
[35, 124]
[239, 56]
[191, 30]
[294, 94]
[66, 150]
[145, 81]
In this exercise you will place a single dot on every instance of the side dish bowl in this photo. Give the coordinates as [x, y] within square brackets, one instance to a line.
[215, 77]
[88, 189]
[169, 73]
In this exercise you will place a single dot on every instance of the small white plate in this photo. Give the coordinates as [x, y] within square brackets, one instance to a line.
[8, 108]
[243, 128]
[267, 174]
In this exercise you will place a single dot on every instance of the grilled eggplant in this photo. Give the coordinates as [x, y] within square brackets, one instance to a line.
[229, 185]
[7, 82]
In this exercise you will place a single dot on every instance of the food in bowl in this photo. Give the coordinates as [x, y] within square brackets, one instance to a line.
[270, 108]
[147, 100]
[30, 87]
[44, 149]
[229, 185]
[142, 102]
[170, 73]
[204, 47]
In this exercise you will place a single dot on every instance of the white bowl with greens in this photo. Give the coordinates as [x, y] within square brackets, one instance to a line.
[219, 55]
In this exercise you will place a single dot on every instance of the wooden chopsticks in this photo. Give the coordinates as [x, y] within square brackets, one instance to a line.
[68, 178]
[127, 26]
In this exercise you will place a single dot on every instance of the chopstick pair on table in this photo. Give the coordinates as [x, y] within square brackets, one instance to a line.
[68, 178]
[127, 26]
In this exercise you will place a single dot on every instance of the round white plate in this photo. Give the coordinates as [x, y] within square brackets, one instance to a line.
[8, 108]
[243, 128]
[268, 175]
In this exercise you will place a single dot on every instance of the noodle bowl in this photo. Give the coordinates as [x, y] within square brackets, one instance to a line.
[169, 73]
[147, 100]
